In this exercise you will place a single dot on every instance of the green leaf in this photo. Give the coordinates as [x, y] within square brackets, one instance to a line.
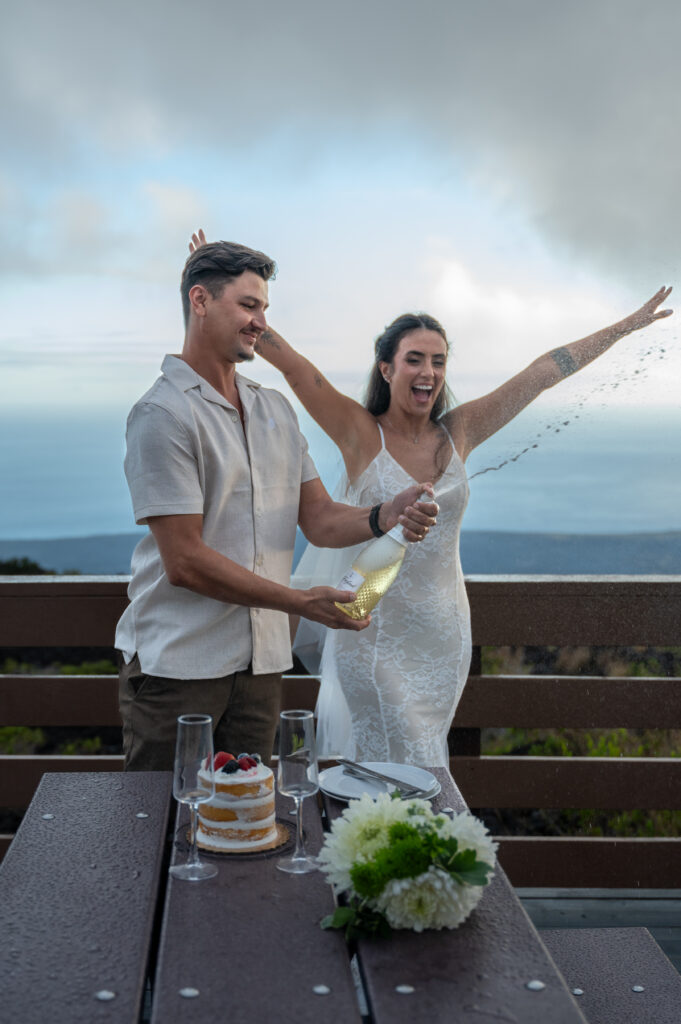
[464, 860]
[358, 920]
[476, 874]
[341, 917]
[446, 853]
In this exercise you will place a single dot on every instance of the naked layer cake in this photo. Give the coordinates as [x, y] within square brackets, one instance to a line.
[240, 817]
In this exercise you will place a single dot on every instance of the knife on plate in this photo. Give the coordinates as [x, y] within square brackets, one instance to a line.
[369, 773]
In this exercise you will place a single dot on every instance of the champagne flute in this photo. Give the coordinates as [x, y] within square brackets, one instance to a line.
[193, 751]
[297, 777]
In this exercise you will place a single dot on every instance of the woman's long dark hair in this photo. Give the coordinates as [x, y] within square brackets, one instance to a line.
[377, 397]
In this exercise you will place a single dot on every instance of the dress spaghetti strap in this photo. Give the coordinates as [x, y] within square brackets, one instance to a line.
[449, 438]
[380, 431]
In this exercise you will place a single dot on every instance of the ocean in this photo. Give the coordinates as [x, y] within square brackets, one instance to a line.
[611, 472]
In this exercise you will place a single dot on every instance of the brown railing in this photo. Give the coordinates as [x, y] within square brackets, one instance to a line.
[539, 610]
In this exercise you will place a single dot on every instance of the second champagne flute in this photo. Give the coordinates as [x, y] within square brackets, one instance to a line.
[297, 777]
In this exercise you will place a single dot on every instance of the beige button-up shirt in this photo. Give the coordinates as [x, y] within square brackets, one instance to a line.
[187, 452]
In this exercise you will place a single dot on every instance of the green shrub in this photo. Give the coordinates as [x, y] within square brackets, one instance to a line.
[104, 667]
[91, 745]
[20, 739]
[12, 667]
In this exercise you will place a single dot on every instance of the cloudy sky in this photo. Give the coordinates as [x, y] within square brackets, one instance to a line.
[510, 166]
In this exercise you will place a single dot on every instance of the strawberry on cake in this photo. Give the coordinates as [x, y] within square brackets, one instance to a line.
[240, 817]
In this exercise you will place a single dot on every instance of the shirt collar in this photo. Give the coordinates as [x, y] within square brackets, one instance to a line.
[184, 377]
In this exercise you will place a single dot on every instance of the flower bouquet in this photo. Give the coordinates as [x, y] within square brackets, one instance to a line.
[399, 865]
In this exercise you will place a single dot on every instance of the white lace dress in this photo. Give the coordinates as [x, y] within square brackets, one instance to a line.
[389, 693]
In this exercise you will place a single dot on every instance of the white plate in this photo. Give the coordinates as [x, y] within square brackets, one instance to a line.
[335, 782]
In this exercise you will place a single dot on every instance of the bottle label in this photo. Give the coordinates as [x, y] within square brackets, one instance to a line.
[352, 580]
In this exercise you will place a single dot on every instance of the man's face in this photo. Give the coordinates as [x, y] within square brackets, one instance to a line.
[236, 318]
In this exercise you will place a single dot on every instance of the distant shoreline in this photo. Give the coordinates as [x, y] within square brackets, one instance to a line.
[482, 551]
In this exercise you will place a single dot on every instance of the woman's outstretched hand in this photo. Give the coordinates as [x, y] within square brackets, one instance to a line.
[198, 239]
[648, 313]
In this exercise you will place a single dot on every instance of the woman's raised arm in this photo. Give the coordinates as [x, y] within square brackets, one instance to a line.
[473, 422]
[347, 423]
[342, 418]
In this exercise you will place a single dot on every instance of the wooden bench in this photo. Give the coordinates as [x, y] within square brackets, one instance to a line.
[620, 974]
[78, 898]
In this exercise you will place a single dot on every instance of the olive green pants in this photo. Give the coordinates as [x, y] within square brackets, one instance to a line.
[244, 709]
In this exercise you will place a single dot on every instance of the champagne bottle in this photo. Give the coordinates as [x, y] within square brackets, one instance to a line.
[373, 571]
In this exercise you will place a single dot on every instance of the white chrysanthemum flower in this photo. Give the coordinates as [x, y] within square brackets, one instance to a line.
[471, 834]
[361, 830]
[431, 900]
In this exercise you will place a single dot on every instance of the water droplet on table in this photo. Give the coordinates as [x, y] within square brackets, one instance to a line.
[578, 991]
[637, 988]
[104, 995]
[321, 990]
[189, 993]
[535, 985]
[141, 814]
[47, 817]
[404, 990]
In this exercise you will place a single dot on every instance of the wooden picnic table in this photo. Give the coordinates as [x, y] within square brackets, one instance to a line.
[82, 894]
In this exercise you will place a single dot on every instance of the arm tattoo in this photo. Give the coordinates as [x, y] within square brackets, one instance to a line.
[319, 380]
[564, 361]
[269, 339]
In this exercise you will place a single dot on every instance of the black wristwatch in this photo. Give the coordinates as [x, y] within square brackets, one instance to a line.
[373, 521]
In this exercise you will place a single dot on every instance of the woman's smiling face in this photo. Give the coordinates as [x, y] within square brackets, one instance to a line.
[417, 372]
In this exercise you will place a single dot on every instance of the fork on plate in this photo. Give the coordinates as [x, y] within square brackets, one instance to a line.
[403, 788]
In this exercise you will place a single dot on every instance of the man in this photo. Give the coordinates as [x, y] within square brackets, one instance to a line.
[220, 472]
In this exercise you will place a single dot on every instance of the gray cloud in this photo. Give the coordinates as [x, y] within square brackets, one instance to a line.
[566, 111]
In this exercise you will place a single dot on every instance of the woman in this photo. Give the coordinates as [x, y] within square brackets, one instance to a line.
[389, 693]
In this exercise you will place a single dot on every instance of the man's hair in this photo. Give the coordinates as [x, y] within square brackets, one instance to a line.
[215, 264]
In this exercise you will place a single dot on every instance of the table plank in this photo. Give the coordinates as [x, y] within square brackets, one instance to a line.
[249, 940]
[78, 897]
[475, 973]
